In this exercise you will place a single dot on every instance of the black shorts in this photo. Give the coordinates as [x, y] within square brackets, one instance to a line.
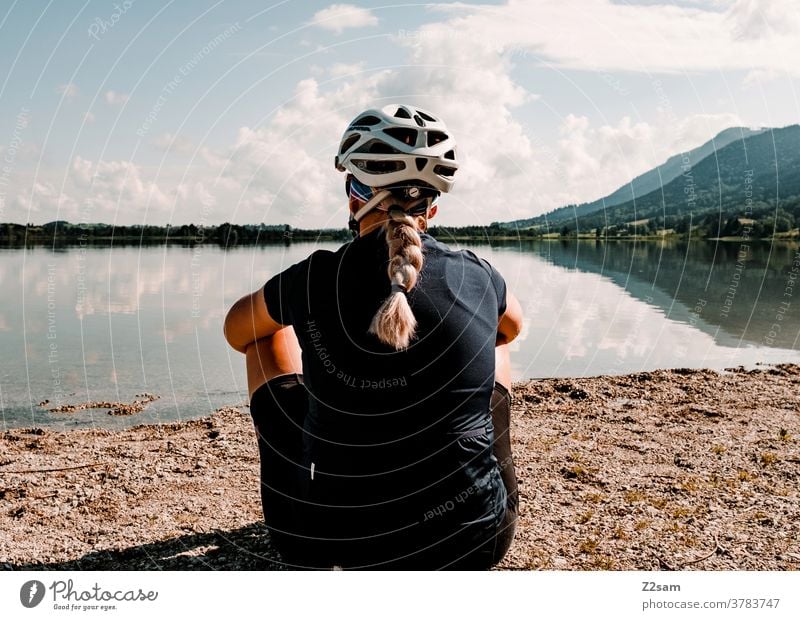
[278, 409]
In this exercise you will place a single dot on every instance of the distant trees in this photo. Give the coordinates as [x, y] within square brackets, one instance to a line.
[226, 234]
[682, 225]
[492, 231]
[784, 221]
[760, 220]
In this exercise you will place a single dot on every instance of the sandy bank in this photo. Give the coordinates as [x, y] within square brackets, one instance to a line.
[681, 469]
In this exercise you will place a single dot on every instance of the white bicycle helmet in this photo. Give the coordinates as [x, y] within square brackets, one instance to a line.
[398, 144]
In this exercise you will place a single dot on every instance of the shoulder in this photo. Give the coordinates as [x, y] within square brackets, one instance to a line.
[322, 261]
[321, 257]
[433, 245]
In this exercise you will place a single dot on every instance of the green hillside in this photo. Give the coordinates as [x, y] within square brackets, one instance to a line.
[643, 184]
[753, 179]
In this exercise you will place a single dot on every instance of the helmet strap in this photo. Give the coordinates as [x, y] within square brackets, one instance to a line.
[372, 203]
[417, 207]
[354, 226]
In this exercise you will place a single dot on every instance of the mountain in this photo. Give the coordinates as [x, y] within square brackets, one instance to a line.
[643, 184]
[757, 178]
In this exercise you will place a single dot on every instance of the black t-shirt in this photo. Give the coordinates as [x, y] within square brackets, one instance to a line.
[396, 437]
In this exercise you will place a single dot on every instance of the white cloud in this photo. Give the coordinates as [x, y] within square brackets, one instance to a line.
[89, 117]
[174, 143]
[341, 69]
[757, 77]
[464, 68]
[197, 192]
[283, 172]
[115, 98]
[339, 17]
[44, 200]
[82, 171]
[110, 191]
[69, 91]
[663, 38]
[595, 161]
[758, 19]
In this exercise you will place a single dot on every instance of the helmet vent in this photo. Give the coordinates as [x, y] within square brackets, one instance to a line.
[349, 142]
[377, 146]
[367, 120]
[435, 137]
[445, 171]
[379, 167]
[403, 134]
[398, 144]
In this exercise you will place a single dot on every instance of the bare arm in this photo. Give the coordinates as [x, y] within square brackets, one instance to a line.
[510, 323]
[248, 320]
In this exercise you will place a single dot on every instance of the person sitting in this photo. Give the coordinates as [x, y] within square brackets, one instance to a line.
[379, 374]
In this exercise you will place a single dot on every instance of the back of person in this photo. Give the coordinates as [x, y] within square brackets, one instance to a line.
[398, 462]
[379, 374]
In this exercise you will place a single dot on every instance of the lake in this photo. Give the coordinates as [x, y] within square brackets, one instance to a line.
[108, 324]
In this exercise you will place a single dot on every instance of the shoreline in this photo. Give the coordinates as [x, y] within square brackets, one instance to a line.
[668, 469]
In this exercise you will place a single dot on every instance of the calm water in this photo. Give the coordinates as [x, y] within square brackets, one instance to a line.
[108, 324]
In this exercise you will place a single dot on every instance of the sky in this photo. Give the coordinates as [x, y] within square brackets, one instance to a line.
[144, 112]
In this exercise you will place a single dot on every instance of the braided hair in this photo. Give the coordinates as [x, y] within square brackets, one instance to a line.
[394, 323]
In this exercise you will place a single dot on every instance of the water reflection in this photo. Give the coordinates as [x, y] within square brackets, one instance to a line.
[735, 292]
[598, 307]
[107, 324]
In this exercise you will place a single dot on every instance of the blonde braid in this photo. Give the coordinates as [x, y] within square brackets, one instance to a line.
[394, 323]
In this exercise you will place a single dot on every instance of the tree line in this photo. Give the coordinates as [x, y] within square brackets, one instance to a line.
[61, 232]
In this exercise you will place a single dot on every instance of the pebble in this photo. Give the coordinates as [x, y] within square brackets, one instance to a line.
[168, 468]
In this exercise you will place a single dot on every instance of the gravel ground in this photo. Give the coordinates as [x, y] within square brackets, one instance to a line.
[672, 469]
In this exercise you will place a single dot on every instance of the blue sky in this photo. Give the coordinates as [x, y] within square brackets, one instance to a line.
[149, 112]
